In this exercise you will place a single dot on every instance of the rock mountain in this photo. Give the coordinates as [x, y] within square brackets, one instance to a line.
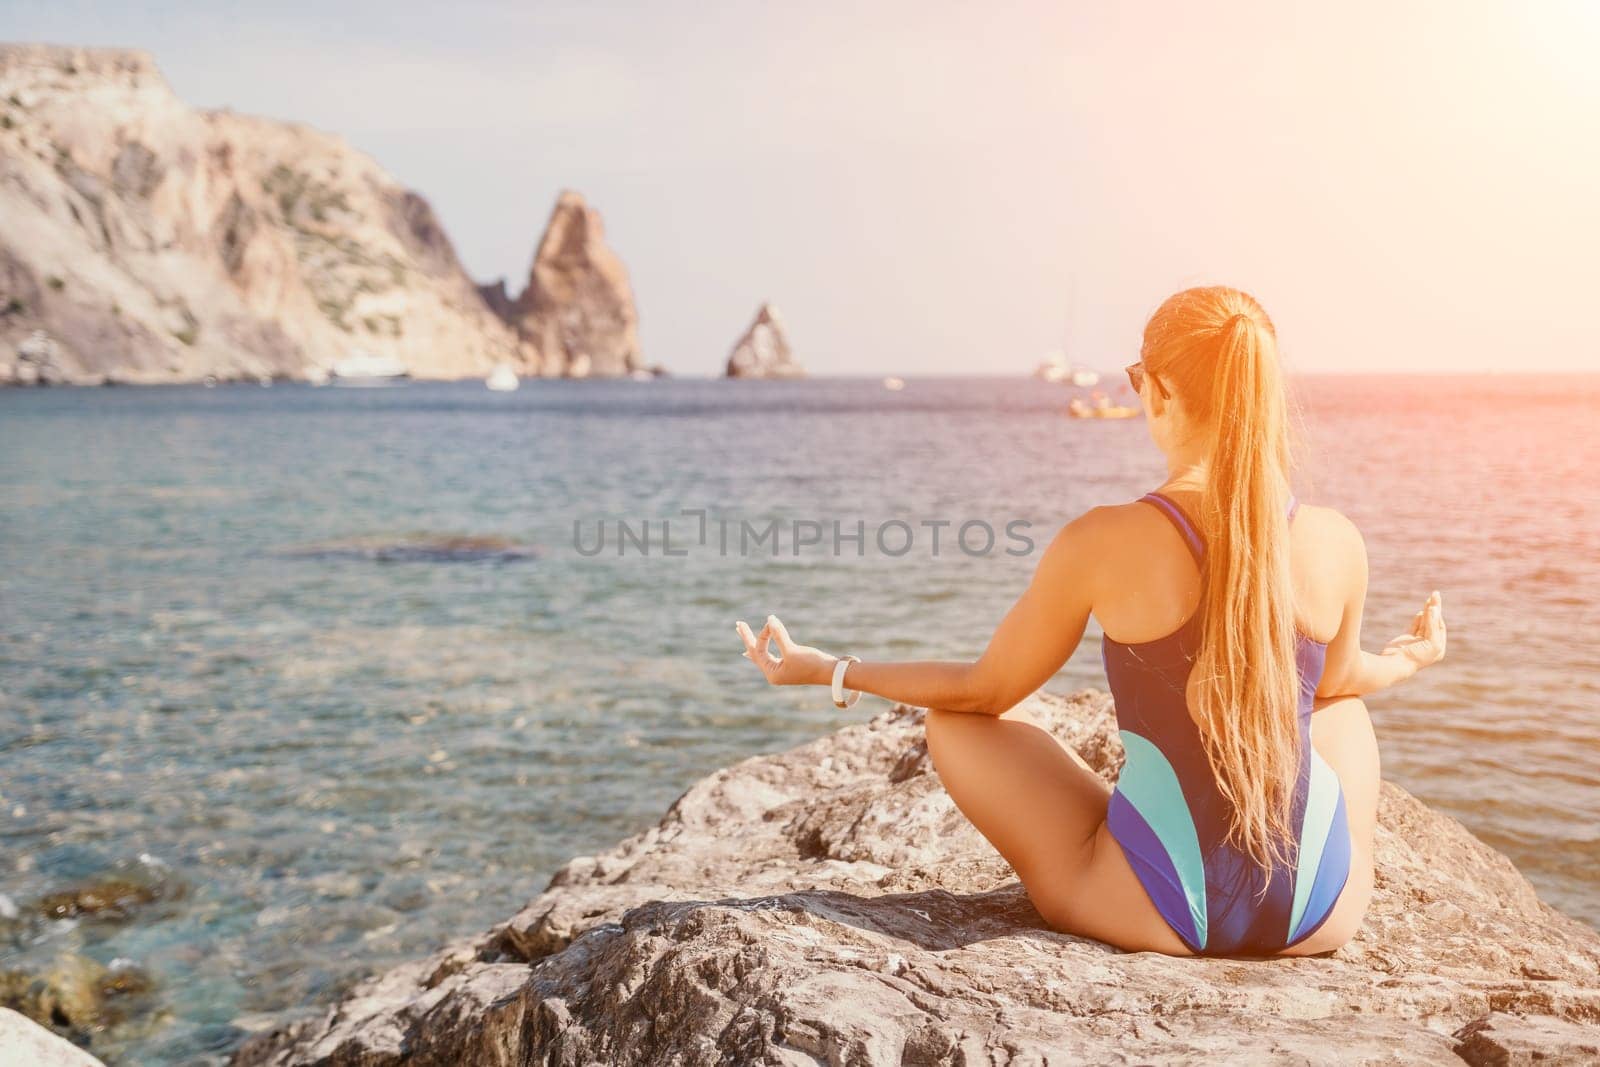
[830, 905]
[577, 308]
[142, 240]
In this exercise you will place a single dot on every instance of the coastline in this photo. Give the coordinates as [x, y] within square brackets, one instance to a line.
[829, 903]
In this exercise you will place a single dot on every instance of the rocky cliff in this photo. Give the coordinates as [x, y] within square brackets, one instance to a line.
[146, 241]
[829, 904]
[142, 240]
[763, 350]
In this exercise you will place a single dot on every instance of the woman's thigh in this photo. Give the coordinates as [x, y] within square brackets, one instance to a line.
[1341, 732]
[1044, 810]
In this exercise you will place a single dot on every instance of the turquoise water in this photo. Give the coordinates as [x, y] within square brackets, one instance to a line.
[237, 664]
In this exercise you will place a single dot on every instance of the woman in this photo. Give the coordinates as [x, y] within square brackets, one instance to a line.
[1242, 821]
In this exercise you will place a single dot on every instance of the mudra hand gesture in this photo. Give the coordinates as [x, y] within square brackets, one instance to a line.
[1423, 644]
[794, 664]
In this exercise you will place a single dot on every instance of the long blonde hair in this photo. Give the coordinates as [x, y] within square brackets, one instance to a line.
[1216, 350]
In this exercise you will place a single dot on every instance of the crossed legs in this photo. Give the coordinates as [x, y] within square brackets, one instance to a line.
[1044, 810]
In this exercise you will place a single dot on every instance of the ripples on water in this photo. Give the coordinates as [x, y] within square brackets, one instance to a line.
[232, 642]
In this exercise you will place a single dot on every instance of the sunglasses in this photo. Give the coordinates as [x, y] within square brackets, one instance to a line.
[1136, 377]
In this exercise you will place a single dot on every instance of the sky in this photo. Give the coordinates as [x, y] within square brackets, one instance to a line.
[936, 188]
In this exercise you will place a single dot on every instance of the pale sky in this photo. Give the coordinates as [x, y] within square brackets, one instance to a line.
[932, 188]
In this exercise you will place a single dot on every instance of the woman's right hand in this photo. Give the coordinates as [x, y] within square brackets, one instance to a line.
[1422, 645]
[795, 664]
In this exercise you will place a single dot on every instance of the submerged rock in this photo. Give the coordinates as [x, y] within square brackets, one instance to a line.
[417, 548]
[112, 897]
[830, 904]
[78, 996]
[763, 351]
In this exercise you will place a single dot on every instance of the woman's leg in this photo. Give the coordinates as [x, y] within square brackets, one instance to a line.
[1041, 806]
[1341, 732]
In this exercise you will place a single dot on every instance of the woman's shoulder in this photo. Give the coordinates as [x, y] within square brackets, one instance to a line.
[1328, 522]
[1330, 534]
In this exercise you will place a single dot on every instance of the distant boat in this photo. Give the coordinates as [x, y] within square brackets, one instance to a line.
[502, 379]
[894, 385]
[1053, 368]
[363, 368]
[1102, 408]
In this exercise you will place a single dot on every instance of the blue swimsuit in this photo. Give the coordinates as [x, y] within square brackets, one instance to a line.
[1170, 819]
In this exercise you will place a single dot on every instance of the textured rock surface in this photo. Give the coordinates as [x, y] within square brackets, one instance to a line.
[153, 242]
[763, 351]
[577, 309]
[24, 1043]
[829, 904]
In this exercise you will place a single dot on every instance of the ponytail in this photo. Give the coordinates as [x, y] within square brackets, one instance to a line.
[1246, 678]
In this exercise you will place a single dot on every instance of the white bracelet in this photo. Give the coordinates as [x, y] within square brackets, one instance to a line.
[839, 699]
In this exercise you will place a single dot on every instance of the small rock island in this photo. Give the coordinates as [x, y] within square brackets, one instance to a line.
[763, 351]
[577, 311]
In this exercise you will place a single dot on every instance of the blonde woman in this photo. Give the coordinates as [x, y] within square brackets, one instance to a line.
[1242, 821]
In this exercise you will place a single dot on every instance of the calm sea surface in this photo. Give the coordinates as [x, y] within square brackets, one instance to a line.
[238, 668]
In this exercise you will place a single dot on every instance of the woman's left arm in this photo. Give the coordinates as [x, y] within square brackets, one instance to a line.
[1035, 638]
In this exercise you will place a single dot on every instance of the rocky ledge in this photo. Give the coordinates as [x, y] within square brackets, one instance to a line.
[829, 904]
[24, 1043]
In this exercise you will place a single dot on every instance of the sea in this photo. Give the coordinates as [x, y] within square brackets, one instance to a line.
[297, 683]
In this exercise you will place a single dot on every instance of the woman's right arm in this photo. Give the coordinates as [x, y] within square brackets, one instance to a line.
[1352, 671]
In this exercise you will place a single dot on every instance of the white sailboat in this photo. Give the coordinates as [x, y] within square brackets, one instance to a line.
[502, 379]
[1053, 368]
[1056, 367]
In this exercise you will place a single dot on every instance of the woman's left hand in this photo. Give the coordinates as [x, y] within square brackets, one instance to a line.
[794, 664]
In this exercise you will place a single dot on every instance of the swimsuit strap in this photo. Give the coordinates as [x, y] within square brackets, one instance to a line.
[1175, 515]
[1190, 532]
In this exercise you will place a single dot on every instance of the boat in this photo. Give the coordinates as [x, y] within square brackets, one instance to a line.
[894, 385]
[502, 379]
[366, 369]
[1053, 368]
[1102, 408]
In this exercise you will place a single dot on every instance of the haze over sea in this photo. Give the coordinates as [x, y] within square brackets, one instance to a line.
[333, 753]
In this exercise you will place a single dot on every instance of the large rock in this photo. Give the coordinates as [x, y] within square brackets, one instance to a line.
[829, 904]
[577, 308]
[153, 242]
[763, 351]
[24, 1043]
